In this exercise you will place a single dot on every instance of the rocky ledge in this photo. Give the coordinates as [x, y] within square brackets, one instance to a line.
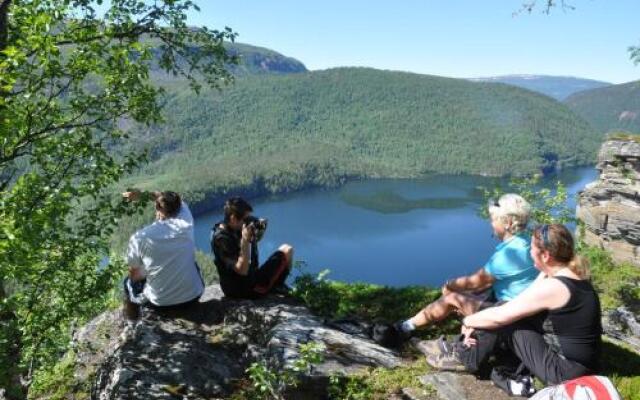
[203, 353]
[610, 206]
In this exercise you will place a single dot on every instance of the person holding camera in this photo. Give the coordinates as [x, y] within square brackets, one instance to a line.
[234, 243]
[162, 267]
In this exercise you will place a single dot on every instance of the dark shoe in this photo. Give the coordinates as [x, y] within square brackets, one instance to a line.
[433, 347]
[391, 336]
[447, 361]
[512, 383]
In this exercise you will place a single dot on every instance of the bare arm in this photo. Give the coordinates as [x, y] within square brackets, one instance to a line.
[224, 250]
[477, 282]
[244, 260]
[545, 294]
[135, 195]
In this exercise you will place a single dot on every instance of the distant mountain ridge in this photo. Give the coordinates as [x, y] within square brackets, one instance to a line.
[252, 60]
[557, 87]
[612, 108]
[259, 60]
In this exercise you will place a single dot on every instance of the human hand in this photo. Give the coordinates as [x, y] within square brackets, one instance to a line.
[248, 233]
[132, 195]
[467, 332]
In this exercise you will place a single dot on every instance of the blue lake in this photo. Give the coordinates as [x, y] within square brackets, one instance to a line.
[392, 232]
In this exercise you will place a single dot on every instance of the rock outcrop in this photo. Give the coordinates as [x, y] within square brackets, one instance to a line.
[610, 206]
[204, 352]
[622, 325]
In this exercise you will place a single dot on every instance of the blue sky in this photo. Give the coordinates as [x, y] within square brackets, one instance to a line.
[457, 38]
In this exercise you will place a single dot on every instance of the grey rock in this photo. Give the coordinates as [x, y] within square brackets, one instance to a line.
[610, 206]
[622, 325]
[416, 394]
[203, 352]
[454, 386]
[446, 384]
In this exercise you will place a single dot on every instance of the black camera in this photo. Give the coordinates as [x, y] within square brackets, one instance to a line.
[258, 225]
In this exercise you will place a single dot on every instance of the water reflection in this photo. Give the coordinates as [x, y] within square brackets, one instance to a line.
[393, 232]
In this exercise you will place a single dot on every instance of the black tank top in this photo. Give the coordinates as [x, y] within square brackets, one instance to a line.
[574, 330]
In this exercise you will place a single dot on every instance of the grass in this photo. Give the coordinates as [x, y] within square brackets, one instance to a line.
[622, 366]
[617, 284]
[370, 302]
[378, 383]
[59, 382]
[626, 136]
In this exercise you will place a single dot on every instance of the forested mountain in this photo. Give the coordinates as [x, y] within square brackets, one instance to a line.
[284, 132]
[613, 108]
[558, 87]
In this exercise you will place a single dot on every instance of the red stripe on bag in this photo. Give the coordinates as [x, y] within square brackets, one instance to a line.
[598, 388]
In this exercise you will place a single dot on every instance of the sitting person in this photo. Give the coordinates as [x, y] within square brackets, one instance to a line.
[234, 243]
[161, 258]
[507, 273]
[553, 327]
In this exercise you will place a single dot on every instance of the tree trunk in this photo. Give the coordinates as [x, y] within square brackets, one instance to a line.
[4, 28]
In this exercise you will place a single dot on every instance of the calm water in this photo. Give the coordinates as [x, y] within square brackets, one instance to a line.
[391, 232]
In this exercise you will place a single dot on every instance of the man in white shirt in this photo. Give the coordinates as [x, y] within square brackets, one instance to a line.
[161, 258]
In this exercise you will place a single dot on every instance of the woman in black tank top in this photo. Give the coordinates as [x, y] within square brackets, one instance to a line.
[553, 327]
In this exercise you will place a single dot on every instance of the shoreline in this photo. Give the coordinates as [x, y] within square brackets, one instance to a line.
[215, 200]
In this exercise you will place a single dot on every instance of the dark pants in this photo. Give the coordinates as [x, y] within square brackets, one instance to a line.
[269, 275]
[529, 347]
[272, 273]
[133, 300]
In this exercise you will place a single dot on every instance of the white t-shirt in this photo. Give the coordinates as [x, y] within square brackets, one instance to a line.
[165, 253]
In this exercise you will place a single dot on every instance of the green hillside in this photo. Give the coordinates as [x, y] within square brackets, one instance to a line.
[279, 133]
[613, 108]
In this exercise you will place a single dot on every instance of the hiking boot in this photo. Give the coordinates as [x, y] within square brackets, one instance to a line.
[432, 347]
[449, 361]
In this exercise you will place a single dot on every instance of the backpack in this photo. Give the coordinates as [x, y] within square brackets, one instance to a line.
[592, 387]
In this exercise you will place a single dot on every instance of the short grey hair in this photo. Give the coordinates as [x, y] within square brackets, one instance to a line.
[512, 210]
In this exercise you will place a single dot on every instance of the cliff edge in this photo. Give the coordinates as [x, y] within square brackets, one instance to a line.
[610, 206]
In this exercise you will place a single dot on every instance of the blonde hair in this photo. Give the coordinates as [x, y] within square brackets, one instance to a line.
[558, 241]
[512, 210]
